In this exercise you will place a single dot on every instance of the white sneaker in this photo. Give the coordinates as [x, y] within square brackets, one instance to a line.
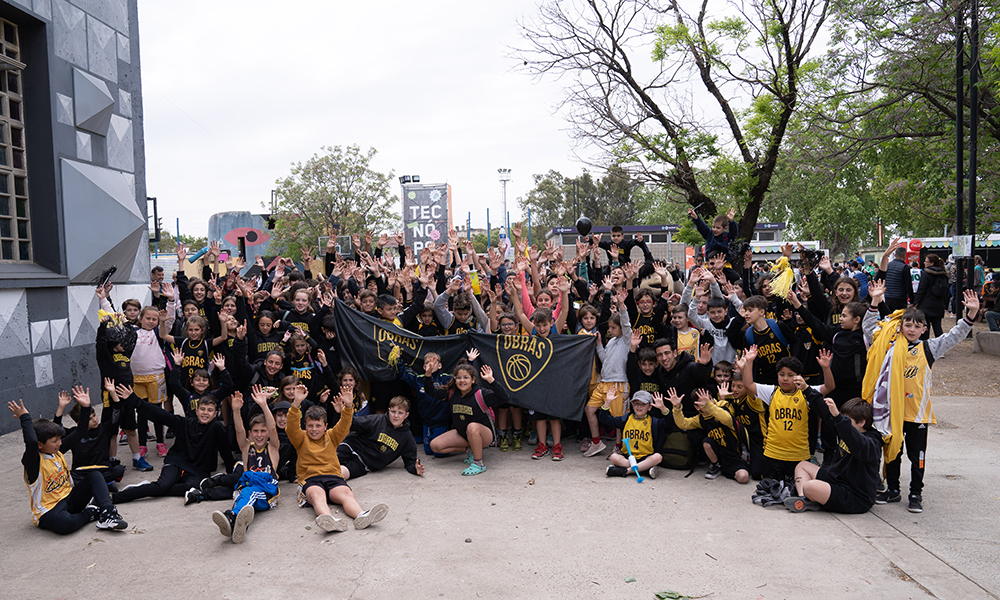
[653, 472]
[243, 519]
[595, 449]
[330, 523]
[370, 516]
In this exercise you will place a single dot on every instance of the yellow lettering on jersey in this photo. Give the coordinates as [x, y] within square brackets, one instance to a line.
[461, 409]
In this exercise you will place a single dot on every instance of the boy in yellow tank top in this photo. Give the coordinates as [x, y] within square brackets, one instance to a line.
[789, 437]
[56, 504]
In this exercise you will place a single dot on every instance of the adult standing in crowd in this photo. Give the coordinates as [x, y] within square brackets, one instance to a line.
[932, 294]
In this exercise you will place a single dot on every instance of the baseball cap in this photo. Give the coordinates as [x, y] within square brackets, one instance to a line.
[642, 396]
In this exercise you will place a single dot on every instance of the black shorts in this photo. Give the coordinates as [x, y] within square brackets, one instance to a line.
[537, 416]
[327, 482]
[730, 461]
[842, 499]
[127, 421]
[779, 469]
[352, 461]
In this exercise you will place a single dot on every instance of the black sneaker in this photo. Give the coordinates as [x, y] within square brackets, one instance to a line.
[613, 471]
[888, 496]
[170, 434]
[800, 504]
[93, 512]
[916, 504]
[193, 496]
[110, 519]
[225, 521]
[713, 471]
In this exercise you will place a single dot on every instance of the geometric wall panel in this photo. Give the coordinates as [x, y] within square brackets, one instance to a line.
[84, 148]
[83, 305]
[94, 103]
[14, 323]
[100, 204]
[40, 339]
[70, 32]
[124, 49]
[112, 12]
[60, 333]
[43, 8]
[64, 109]
[124, 103]
[139, 291]
[103, 45]
[120, 148]
[43, 371]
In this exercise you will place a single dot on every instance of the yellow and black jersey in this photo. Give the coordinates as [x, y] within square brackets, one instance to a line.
[197, 355]
[788, 423]
[917, 386]
[639, 433]
[770, 349]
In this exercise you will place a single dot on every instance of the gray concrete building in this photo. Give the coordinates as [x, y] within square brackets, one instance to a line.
[72, 188]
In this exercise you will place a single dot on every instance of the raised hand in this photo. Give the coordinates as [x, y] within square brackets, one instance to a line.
[123, 391]
[705, 354]
[219, 361]
[674, 398]
[702, 397]
[877, 291]
[724, 389]
[831, 406]
[658, 402]
[81, 395]
[236, 402]
[635, 341]
[824, 359]
[177, 356]
[486, 373]
[17, 408]
[750, 354]
[472, 354]
[971, 302]
[64, 399]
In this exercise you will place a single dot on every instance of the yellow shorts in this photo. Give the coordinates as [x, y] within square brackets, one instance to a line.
[600, 394]
[151, 387]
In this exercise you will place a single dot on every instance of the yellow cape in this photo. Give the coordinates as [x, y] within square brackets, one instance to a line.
[883, 383]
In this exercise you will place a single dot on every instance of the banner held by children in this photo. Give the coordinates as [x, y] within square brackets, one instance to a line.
[550, 376]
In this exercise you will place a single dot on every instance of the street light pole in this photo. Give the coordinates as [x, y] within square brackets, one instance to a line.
[504, 178]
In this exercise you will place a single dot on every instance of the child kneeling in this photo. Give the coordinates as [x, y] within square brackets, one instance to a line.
[848, 484]
[317, 467]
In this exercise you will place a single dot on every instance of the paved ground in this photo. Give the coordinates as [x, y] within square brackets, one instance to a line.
[571, 534]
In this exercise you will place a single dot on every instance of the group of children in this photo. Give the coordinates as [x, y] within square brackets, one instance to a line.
[759, 373]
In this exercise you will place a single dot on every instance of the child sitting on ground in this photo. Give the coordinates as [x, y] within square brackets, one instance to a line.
[199, 441]
[257, 487]
[318, 469]
[90, 440]
[472, 421]
[376, 441]
[847, 484]
[644, 432]
[56, 503]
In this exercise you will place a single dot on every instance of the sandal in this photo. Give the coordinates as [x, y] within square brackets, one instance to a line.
[474, 469]
[469, 459]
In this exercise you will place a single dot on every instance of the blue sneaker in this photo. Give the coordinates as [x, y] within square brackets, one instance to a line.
[140, 464]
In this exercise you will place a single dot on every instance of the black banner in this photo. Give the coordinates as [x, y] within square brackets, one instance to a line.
[551, 376]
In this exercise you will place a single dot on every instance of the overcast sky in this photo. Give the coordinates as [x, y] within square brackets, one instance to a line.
[234, 92]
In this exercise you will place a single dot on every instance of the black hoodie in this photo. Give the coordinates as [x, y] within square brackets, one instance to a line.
[377, 443]
[686, 376]
[857, 466]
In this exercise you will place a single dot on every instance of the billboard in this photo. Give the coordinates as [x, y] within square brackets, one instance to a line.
[426, 214]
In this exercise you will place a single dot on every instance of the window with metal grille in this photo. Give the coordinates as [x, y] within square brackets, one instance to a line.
[15, 223]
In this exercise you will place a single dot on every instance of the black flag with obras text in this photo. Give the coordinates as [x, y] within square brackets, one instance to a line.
[551, 376]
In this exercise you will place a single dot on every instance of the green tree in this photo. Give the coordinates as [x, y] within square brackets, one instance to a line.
[335, 190]
[753, 53]
[167, 243]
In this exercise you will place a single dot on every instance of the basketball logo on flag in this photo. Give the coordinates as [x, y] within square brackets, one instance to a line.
[522, 358]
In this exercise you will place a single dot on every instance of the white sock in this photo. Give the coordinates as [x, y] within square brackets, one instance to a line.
[136, 456]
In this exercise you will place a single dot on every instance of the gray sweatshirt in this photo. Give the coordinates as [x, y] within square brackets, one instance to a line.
[614, 356]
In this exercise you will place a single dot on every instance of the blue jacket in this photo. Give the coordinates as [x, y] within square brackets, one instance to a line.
[433, 412]
[721, 242]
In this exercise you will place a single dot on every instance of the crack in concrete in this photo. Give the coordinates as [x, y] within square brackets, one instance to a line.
[896, 570]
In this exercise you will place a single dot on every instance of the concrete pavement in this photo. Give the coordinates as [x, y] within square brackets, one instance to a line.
[572, 533]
